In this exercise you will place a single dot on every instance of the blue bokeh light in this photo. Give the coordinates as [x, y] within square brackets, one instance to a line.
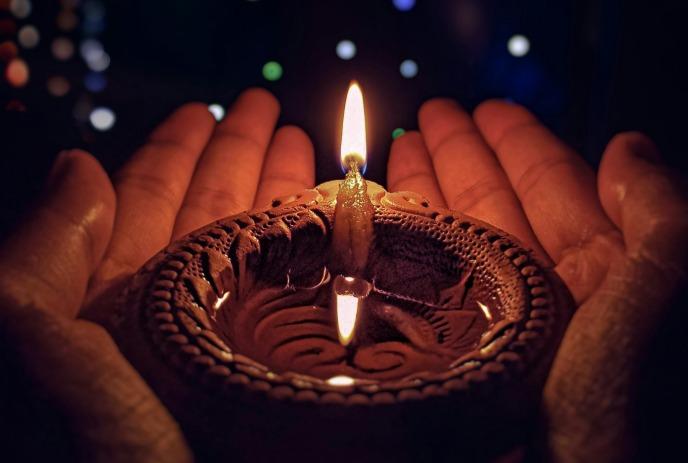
[404, 5]
[95, 82]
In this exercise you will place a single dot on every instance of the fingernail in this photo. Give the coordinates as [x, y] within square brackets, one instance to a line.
[57, 171]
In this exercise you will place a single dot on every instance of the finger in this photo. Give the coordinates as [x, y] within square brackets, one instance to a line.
[150, 190]
[47, 262]
[410, 169]
[226, 178]
[644, 201]
[558, 192]
[289, 166]
[556, 187]
[470, 177]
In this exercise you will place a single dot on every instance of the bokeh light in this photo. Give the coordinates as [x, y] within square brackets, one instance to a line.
[404, 5]
[346, 49]
[17, 72]
[91, 50]
[8, 51]
[272, 71]
[398, 132]
[20, 8]
[217, 111]
[99, 64]
[102, 118]
[518, 45]
[94, 10]
[408, 68]
[28, 36]
[7, 27]
[67, 20]
[62, 48]
[95, 82]
[58, 86]
[83, 107]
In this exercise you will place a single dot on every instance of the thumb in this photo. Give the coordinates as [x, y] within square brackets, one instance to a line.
[646, 202]
[47, 261]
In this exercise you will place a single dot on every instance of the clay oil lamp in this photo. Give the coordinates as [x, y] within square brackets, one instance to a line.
[346, 323]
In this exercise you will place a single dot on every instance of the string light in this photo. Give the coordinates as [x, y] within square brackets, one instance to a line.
[102, 118]
[518, 45]
[346, 49]
[408, 68]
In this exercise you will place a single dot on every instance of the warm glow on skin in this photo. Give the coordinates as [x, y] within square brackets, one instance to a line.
[347, 310]
[353, 129]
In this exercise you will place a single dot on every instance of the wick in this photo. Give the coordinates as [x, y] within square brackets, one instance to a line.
[353, 222]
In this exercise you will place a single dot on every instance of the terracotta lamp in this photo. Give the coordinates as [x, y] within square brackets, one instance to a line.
[346, 323]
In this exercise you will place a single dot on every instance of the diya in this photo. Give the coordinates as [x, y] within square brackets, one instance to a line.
[346, 323]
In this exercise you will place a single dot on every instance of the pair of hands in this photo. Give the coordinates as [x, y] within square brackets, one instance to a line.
[615, 238]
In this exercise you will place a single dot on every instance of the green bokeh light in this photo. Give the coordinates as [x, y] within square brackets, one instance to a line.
[398, 132]
[272, 71]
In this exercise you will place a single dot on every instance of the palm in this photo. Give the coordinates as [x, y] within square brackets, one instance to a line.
[603, 234]
[507, 170]
[190, 172]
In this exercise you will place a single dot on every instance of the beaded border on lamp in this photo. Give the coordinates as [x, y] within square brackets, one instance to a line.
[180, 332]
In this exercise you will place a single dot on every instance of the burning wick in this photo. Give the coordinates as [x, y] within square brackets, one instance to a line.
[353, 217]
[349, 296]
[353, 220]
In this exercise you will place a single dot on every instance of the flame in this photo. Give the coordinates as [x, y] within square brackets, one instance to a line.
[353, 128]
[347, 310]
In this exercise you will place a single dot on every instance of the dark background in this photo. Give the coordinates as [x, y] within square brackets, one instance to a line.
[594, 68]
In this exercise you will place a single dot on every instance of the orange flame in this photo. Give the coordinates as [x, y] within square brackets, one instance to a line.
[353, 128]
[347, 312]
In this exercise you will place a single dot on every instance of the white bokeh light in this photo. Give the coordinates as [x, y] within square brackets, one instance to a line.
[91, 50]
[518, 45]
[102, 118]
[346, 49]
[408, 68]
[28, 36]
[20, 8]
[99, 64]
[217, 111]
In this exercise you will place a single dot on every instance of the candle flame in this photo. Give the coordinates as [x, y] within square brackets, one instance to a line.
[353, 128]
[347, 311]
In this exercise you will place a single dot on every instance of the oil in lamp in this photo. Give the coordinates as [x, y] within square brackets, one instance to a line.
[346, 322]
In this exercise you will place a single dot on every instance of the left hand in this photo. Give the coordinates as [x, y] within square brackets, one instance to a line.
[88, 235]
